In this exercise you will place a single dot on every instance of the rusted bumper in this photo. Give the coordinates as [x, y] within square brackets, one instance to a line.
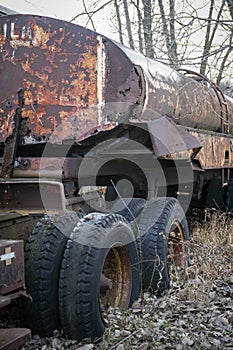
[32, 196]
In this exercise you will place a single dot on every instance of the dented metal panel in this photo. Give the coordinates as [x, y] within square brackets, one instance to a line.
[169, 138]
[32, 196]
[186, 101]
[55, 63]
[217, 149]
[73, 79]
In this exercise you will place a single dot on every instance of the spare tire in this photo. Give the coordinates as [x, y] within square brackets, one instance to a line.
[99, 269]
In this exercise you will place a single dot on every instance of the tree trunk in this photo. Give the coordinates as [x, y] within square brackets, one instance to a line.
[128, 24]
[147, 28]
[119, 21]
[140, 21]
[173, 46]
[230, 5]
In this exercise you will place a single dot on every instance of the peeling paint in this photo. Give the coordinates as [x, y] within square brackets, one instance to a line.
[58, 79]
[214, 148]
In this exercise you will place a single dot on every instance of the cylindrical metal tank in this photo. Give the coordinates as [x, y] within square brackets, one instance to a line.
[76, 81]
[189, 102]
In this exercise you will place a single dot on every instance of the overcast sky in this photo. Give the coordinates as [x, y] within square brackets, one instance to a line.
[65, 10]
[46, 7]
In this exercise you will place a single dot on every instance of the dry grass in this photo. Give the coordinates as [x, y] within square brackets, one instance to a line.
[211, 248]
[212, 244]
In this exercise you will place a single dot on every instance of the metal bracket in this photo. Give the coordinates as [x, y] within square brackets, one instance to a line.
[11, 143]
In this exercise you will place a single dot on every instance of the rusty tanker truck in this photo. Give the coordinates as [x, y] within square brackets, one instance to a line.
[103, 152]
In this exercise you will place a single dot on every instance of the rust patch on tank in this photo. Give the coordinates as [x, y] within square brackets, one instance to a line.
[55, 63]
[216, 150]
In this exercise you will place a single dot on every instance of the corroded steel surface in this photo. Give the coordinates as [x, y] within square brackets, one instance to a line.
[11, 266]
[32, 196]
[169, 138]
[11, 143]
[71, 77]
[217, 150]
[187, 101]
[17, 226]
[55, 63]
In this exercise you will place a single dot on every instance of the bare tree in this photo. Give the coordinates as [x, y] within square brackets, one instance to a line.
[168, 30]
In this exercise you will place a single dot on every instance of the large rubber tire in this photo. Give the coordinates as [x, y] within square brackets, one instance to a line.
[110, 194]
[163, 244]
[43, 255]
[216, 194]
[229, 198]
[101, 245]
[131, 207]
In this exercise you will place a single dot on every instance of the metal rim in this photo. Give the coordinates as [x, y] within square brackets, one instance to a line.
[115, 280]
[176, 247]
